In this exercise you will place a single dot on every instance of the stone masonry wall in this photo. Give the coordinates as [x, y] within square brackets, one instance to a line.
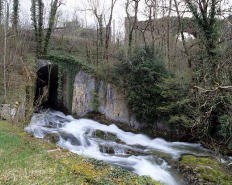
[112, 100]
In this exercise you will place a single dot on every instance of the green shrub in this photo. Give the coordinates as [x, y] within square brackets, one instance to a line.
[146, 71]
[94, 102]
[175, 105]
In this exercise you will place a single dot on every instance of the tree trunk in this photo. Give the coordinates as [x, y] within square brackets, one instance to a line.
[108, 30]
[1, 5]
[168, 35]
[5, 46]
[40, 27]
[54, 8]
[182, 34]
[133, 26]
[15, 16]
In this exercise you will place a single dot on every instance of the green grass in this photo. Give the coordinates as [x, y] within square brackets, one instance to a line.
[27, 160]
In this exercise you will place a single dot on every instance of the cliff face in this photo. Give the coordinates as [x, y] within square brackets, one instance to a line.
[112, 100]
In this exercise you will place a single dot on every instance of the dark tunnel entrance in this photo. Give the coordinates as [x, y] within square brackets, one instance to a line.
[46, 95]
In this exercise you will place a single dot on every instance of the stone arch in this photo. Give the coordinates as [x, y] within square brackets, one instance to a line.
[46, 87]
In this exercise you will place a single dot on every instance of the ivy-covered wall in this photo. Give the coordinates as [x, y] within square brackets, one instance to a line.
[67, 68]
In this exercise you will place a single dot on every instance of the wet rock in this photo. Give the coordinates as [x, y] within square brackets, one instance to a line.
[119, 141]
[229, 166]
[136, 152]
[105, 135]
[52, 137]
[86, 142]
[106, 149]
[71, 138]
[87, 131]
[99, 134]
[138, 146]
[111, 136]
[49, 125]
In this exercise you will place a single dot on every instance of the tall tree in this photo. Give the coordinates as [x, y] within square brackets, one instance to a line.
[6, 25]
[15, 15]
[98, 9]
[168, 34]
[54, 6]
[204, 13]
[132, 26]
[151, 5]
[181, 28]
[37, 7]
[1, 5]
[34, 21]
[108, 29]
[40, 26]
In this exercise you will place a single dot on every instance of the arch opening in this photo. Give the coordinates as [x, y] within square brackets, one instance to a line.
[46, 95]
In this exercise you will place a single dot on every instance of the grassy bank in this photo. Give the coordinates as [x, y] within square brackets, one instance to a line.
[27, 160]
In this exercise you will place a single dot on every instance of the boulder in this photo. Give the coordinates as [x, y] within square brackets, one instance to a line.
[135, 152]
[52, 137]
[70, 137]
[106, 149]
[5, 112]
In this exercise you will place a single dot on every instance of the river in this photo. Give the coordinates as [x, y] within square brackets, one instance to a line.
[135, 152]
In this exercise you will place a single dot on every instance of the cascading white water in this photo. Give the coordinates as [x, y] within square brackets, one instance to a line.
[79, 136]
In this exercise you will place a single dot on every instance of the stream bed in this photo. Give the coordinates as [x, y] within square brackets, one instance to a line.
[135, 152]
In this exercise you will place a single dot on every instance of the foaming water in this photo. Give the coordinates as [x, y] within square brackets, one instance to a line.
[135, 152]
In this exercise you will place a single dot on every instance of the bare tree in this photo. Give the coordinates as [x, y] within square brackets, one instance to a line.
[98, 10]
[168, 33]
[15, 16]
[37, 7]
[108, 29]
[132, 26]
[1, 7]
[182, 33]
[54, 6]
[6, 25]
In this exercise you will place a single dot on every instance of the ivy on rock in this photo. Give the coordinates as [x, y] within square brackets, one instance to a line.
[67, 66]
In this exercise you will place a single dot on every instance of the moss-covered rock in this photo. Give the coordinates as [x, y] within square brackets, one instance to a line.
[106, 149]
[204, 170]
[52, 137]
[136, 152]
[105, 135]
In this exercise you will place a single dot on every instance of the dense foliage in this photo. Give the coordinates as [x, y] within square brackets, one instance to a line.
[146, 71]
[156, 94]
[174, 108]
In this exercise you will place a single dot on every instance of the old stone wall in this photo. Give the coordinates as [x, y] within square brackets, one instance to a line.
[112, 100]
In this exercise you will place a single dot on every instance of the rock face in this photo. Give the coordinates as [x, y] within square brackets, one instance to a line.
[15, 113]
[5, 112]
[112, 100]
[83, 86]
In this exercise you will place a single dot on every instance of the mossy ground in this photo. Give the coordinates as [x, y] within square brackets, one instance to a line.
[27, 160]
[205, 170]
